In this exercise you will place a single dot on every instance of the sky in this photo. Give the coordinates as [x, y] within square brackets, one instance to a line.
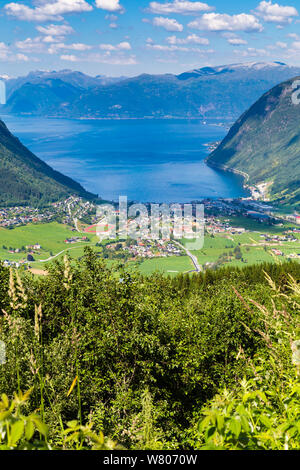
[130, 37]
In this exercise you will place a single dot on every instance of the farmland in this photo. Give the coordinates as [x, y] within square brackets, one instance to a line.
[257, 244]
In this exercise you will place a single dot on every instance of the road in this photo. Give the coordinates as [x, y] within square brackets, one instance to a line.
[64, 251]
[198, 267]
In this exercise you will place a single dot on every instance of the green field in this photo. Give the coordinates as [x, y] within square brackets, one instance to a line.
[171, 265]
[251, 254]
[50, 236]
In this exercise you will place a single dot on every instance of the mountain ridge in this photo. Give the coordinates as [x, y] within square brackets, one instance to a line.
[264, 143]
[216, 93]
[25, 179]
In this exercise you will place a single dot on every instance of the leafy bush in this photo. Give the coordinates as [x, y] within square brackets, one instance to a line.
[142, 357]
[263, 413]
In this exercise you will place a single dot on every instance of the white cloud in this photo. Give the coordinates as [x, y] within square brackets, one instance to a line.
[22, 57]
[69, 58]
[158, 47]
[179, 7]
[175, 48]
[123, 46]
[252, 52]
[50, 11]
[224, 22]
[3, 47]
[296, 45]
[191, 39]
[55, 30]
[54, 48]
[109, 5]
[107, 58]
[51, 39]
[281, 45]
[167, 23]
[102, 59]
[7, 55]
[30, 45]
[294, 36]
[237, 41]
[274, 13]
[111, 17]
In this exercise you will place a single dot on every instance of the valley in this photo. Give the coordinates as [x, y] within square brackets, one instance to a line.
[238, 232]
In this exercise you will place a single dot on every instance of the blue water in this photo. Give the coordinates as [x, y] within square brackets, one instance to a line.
[146, 160]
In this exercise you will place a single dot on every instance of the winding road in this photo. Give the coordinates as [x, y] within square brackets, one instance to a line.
[198, 267]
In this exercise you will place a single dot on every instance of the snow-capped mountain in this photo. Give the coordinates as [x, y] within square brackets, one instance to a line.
[247, 67]
[220, 92]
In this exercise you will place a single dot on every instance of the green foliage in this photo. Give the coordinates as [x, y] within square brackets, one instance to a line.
[140, 358]
[248, 419]
[263, 412]
[18, 431]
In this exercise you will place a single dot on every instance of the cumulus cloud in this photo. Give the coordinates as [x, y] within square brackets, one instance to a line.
[179, 7]
[3, 47]
[176, 48]
[47, 11]
[274, 13]
[237, 41]
[69, 58]
[191, 39]
[159, 47]
[54, 48]
[55, 30]
[30, 45]
[252, 52]
[224, 22]
[109, 5]
[107, 58]
[294, 36]
[7, 55]
[123, 46]
[281, 45]
[167, 23]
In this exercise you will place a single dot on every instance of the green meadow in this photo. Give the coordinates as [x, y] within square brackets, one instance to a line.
[50, 236]
[171, 265]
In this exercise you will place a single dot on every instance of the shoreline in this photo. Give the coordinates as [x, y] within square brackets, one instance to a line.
[243, 174]
[258, 191]
[205, 121]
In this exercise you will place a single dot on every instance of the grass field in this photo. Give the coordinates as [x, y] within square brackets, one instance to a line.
[253, 225]
[50, 236]
[171, 265]
[251, 254]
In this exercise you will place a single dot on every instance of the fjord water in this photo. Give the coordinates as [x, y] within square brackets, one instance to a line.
[145, 160]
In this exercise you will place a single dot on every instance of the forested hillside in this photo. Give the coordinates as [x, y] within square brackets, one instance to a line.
[25, 179]
[264, 144]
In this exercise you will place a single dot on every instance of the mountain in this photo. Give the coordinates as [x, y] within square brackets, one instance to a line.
[265, 144]
[219, 93]
[25, 179]
[78, 80]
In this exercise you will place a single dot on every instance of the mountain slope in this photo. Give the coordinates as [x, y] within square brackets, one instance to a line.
[25, 179]
[218, 93]
[76, 79]
[265, 144]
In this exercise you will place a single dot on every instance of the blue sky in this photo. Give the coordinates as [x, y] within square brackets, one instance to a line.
[129, 37]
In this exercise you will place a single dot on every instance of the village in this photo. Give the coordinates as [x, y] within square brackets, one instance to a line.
[61, 211]
[227, 219]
